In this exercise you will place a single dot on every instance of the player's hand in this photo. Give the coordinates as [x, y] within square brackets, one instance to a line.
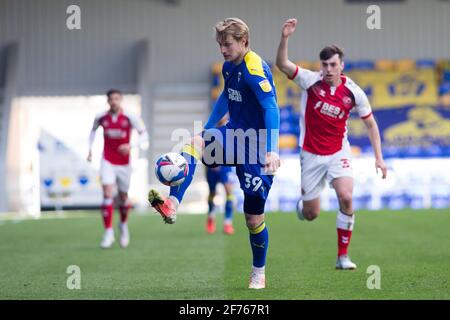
[379, 164]
[124, 149]
[89, 157]
[288, 27]
[272, 162]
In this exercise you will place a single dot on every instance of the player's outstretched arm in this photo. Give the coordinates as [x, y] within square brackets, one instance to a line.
[283, 62]
[91, 142]
[375, 140]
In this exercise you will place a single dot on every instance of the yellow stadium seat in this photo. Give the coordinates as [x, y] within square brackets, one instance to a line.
[315, 66]
[287, 141]
[384, 65]
[405, 65]
[305, 64]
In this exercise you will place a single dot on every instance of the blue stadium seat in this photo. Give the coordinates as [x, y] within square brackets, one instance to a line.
[364, 65]
[425, 63]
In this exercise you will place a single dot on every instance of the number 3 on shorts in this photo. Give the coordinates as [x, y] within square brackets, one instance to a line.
[256, 182]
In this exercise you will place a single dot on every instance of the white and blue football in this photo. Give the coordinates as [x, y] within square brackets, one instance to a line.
[171, 169]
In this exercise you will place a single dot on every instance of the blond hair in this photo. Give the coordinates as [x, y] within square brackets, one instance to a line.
[235, 27]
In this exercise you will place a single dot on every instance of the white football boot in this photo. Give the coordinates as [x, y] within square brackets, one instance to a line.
[300, 210]
[108, 239]
[124, 235]
[344, 263]
[257, 279]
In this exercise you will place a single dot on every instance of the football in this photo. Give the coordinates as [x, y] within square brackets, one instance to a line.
[171, 169]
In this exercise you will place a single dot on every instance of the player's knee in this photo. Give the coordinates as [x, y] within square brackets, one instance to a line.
[345, 198]
[253, 221]
[123, 197]
[310, 213]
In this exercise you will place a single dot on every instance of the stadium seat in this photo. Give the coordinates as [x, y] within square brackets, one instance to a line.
[425, 63]
[315, 66]
[287, 141]
[405, 65]
[384, 65]
[305, 64]
[364, 65]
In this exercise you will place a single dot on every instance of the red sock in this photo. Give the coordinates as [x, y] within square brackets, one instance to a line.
[124, 210]
[344, 237]
[107, 213]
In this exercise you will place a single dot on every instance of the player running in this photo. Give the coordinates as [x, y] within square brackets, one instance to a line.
[220, 174]
[115, 165]
[249, 97]
[326, 102]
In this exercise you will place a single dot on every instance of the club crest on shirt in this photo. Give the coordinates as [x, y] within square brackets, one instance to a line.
[346, 100]
[239, 76]
[265, 85]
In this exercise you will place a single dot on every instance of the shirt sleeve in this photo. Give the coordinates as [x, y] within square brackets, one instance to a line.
[259, 83]
[94, 128]
[137, 123]
[362, 104]
[305, 78]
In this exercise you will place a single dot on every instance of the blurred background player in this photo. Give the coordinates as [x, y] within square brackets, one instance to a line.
[115, 165]
[215, 175]
[326, 102]
[250, 99]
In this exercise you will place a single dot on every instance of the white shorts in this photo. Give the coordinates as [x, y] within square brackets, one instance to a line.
[317, 170]
[111, 173]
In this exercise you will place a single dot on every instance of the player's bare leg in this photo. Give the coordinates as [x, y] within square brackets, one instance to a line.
[107, 213]
[344, 221]
[123, 226]
[308, 209]
[259, 243]
[167, 207]
[228, 219]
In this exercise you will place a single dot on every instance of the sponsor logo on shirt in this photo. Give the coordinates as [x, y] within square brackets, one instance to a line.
[234, 95]
[115, 133]
[330, 110]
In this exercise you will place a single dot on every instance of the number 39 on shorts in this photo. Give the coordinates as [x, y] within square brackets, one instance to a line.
[252, 182]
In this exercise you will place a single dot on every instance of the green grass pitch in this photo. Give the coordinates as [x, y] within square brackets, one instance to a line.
[181, 261]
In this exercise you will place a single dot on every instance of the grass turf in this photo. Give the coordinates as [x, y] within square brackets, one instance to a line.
[182, 262]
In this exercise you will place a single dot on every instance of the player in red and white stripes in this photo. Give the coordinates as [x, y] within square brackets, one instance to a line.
[115, 166]
[326, 101]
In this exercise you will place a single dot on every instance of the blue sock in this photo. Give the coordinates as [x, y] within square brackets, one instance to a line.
[210, 204]
[192, 156]
[259, 241]
[229, 207]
